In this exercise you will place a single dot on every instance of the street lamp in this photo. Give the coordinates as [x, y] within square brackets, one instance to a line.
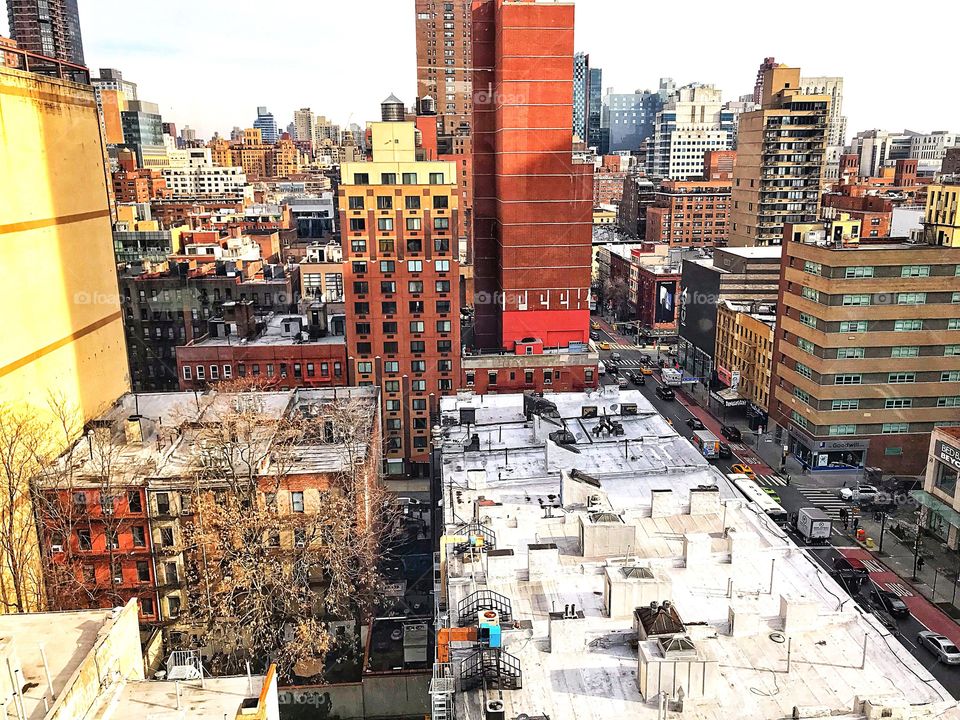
[883, 526]
[916, 545]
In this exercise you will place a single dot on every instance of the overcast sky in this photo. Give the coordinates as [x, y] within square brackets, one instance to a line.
[209, 63]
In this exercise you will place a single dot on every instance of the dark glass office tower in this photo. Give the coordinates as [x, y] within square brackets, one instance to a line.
[47, 27]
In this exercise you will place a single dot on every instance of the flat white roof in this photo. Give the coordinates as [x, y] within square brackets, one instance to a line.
[216, 699]
[647, 500]
[768, 251]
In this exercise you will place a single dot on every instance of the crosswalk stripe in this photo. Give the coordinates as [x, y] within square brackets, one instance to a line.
[771, 480]
[825, 499]
[899, 589]
[874, 566]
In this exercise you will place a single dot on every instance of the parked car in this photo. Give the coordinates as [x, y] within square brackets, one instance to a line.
[865, 493]
[694, 423]
[594, 335]
[665, 393]
[888, 601]
[645, 359]
[731, 433]
[742, 469]
[616, 357]
[941, 646]
[622, 383]
[725, 452]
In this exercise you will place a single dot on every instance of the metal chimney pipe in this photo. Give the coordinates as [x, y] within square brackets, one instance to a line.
[46, 671]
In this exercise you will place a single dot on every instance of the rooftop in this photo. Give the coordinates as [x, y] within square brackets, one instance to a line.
[754, 253]
[573, 543]
[278, 332]
[214, 699]
[67, 638]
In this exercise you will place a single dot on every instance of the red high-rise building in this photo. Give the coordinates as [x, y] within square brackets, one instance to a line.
[532, 203]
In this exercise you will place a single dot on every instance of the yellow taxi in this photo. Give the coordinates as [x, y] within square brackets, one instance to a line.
[646, 370]
[594, 325]
[741, 469]
[603, 345]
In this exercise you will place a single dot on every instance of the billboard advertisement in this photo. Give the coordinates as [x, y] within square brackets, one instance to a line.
[666, 312]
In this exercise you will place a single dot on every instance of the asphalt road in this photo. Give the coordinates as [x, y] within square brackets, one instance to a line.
[904, 630]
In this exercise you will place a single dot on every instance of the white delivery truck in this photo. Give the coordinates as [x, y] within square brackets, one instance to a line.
[814, 525]
[601, 368]
[671, 377]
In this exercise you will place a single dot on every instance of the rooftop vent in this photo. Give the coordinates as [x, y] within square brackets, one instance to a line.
[637, 572]
[581, 476]
[605, 517]
[658, 620]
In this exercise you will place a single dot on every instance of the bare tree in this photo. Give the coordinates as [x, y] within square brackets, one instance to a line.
[263, 577]
[616, 294]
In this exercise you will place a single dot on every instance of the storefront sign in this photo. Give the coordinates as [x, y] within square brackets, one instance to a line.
[947, 454]
[737, 402]
[723, 375]
[734, 379]
[843, 445]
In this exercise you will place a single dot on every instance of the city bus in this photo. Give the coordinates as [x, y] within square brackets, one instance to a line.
[754, 493]
[707, 443]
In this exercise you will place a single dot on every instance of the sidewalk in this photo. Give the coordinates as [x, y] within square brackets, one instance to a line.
[936, 579]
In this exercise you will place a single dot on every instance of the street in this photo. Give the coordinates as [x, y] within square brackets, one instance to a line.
[802, 491]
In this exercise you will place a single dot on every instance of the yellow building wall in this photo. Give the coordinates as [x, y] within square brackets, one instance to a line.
[63, 331]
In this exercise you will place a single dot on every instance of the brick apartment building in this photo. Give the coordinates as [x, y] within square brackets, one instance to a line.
[401, 285]
[690, 213]
[139, 186]
[279, 352]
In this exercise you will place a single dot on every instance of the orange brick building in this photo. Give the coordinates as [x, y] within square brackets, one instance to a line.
[690, 213]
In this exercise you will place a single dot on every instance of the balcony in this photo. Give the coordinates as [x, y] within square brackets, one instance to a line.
[18, 59]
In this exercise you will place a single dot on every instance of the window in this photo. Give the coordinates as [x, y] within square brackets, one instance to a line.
[384, 202]
[418, 366]
[358, 246]
[385, 245]
[416, 326]
[813, 268]
[805, 345]
[440, 202]
[808, 320]
[804, 370]
[143, 571]
[798, 419]
[392, 405]
[296, 501]
[856, 326]
[358, 224]
[187, 372]
[492, 377]
[391, 347]
[416, 306]
[415, 286]
[444, 326]
[955, 298]
[415, 265]
[847, 379]
[952, 350]
[388, 307]
[134, 501]
[905, 351]
[391, 366]
[801, 395]
[390, 327]
[845, 405]
[810, 294]
[387, 266]
[418, 346]
[385, 224]
[361, 178]
[442, 265]
[443, 306]
[413, 224]
[893, 428]
[419, 404]
[952, 376]
[409, 178]
[444, 346]
[173, 606]
[361, 308]
[914, 298]
[900, 378]
[915, 271]
[355, 202]
[201, 372]
[548, 377]
[388, 178]
[443, 286]
[849, 353]
[166, 537]
[436, 178]
[949, 401]
[441, 223]
[139, 535]
[856, 300]
[445, 365]
[83, 540]
[441, 245]
[843, 429]
[471, 379]
[907, 325]
[363, 328]
[364, 368]
[412, 202]
[953, 324]
[858, 272]
[897, 403]
[418, 385]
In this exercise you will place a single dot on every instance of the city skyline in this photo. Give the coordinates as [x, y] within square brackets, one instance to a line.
[182, 76]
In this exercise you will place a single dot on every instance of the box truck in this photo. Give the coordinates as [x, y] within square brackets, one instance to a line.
[814, 525]
[671, 377]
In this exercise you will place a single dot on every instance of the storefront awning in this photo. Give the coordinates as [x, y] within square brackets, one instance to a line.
[729, 398]
[938, 506]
